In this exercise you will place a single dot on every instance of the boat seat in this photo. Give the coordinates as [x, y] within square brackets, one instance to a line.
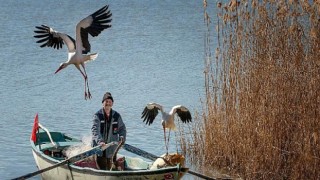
[60, 145]
[56, 136]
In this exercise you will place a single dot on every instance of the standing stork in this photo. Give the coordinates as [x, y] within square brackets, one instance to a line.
[151, 111]
[94, 24]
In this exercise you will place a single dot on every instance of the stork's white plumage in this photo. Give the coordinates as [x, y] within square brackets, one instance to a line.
[94, 24]
[152, 109]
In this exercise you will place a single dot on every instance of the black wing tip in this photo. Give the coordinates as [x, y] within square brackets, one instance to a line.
[45, 36]
[101, 11]
[43, 27]
[185, 117]
[147, 116]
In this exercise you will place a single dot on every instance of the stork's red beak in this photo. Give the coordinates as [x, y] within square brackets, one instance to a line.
[58, 69]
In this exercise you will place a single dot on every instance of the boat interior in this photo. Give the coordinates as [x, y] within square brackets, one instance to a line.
[56, 144]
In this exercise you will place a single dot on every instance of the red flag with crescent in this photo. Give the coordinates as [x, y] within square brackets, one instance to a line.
[35, 129]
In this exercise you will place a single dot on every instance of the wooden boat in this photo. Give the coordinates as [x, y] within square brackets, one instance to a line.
[49, 147]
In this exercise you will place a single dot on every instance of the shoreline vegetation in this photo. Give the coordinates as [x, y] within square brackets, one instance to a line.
[261, 114]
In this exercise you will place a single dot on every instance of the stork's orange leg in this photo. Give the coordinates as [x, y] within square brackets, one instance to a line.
[87, 95]
[85, 88]
[86, 83]
[165, 139]
[168, 140]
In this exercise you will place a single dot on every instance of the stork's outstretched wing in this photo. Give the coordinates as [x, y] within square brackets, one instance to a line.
[93, 25]
[150, 112]
[54, 39]
[183, 113]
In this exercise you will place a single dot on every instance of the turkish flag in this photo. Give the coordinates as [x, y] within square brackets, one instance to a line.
[35, 129]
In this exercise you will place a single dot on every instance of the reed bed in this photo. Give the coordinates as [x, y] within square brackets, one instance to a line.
[261, 115]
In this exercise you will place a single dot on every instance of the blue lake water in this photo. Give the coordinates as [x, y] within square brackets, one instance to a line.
[154, 52]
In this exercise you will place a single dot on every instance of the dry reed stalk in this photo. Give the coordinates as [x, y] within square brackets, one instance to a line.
[261, 118]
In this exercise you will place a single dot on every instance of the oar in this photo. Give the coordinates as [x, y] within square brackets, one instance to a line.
[114, 155]
[75, 158]
[153, 157]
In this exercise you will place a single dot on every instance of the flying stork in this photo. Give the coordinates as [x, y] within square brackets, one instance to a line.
[94, 24]
[151, 111]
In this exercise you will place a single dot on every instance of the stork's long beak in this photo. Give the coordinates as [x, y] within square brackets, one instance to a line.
[58, 70]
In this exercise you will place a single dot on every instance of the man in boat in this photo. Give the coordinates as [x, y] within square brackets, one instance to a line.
[107, 127]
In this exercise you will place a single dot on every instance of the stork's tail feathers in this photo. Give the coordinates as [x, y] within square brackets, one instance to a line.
[91, 57]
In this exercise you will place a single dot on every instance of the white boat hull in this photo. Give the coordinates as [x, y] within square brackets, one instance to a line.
[79, 173]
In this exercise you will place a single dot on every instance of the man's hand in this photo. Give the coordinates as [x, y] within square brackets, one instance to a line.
[121, 140]
[103, 145]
